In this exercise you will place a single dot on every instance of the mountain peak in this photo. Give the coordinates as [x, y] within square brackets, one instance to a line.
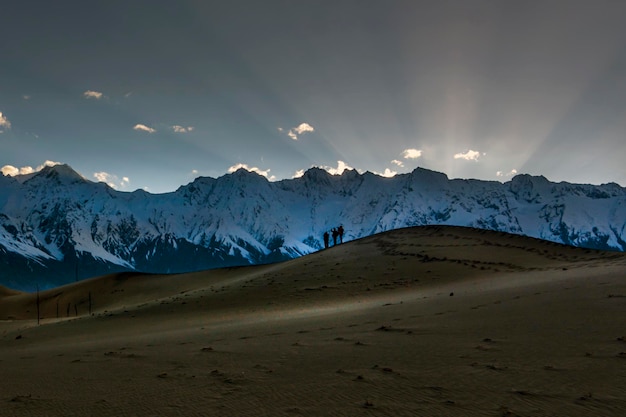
[242, 172]
[537, 179]
[316, 172]
[62, 173]
[350, 173]
[243, 175]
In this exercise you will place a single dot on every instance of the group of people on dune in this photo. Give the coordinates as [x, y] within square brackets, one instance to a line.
[336, 233]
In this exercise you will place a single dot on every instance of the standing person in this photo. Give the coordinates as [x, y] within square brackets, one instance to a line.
[326, 236]
[335, 234]
[340, 231]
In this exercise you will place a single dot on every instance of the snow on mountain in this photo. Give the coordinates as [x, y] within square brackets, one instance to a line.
[56, 226]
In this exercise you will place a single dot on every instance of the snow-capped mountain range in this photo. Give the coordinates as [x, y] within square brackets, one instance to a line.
[56, 226]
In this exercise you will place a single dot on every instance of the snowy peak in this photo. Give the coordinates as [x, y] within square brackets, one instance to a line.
[427, 176]
[316, 176]
[529, 188]
[57, 175]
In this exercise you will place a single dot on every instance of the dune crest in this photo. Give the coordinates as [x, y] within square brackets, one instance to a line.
[428, 320]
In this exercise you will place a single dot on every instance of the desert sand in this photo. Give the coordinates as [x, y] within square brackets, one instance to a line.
[428, 321]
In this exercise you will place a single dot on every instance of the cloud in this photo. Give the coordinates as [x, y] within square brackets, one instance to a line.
[298, 130]
[299, 173]
[93, 94]
[12, 171]
[4, 122]
[144, 128]
[265, 173]
[48, 163]
[101, 176]
[411, 153]
[388, 173]
[26, 97]
[111, 180]
[341, 166]
[506, 174]
[181, 129]
[468, 156]
[304, 127]
[399, 163]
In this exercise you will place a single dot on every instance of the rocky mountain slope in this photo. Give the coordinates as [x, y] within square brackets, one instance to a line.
[56, 226]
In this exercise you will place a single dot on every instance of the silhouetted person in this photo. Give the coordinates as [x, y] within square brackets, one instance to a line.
[335, 234]
[326, 237]
[340, 231]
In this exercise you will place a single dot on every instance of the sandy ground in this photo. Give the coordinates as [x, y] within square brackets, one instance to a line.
[436, 321]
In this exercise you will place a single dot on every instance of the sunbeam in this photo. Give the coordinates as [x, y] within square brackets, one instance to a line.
[518, 85]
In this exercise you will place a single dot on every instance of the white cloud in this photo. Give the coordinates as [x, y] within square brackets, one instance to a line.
[388, 173]
[298, 173]
[399, 163]
[341, 166]
[48, 163]
[468, 156]
[10, 170]
[265, 173]
[304, 127]
[411, 153]
[26, 97]
[181, 129]
[93, 94]
[144, 128]
[4, 122]
[506, 174]
[298, 130]
[101, 176]
[112, 180]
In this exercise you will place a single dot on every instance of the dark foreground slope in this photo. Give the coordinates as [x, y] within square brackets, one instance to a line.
[422, 321]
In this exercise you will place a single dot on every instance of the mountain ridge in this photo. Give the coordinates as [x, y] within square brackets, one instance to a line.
[56, 226]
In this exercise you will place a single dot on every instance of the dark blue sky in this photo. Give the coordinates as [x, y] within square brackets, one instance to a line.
[150, 94]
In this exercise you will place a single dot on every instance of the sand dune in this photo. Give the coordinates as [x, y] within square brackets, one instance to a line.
[5, 292]
[434, 320]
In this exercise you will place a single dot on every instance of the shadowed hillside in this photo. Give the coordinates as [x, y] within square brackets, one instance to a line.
[416, 257]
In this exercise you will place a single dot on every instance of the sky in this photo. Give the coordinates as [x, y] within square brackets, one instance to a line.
[150, 94]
